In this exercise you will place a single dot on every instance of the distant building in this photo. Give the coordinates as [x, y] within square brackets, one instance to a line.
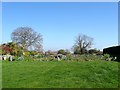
[113, 51]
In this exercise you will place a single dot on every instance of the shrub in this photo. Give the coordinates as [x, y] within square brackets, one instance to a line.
[19, 53]
[27, 53]
[106, 56]
[28, 58]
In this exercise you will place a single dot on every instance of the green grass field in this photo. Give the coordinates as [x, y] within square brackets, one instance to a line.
[55, 74]
[0, 74]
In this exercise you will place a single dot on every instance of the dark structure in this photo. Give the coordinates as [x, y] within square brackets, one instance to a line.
[113, 52]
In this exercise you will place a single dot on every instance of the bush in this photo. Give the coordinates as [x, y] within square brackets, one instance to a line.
[69, 57]
[87, 57]
[28, 58]
[106, 55]
[19, 53]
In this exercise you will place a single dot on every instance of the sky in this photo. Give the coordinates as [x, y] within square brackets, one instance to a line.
[59, 23]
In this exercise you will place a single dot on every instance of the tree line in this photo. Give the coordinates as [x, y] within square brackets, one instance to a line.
[25, 39]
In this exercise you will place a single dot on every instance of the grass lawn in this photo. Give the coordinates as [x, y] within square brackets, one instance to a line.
[36, 74]
[0, 74]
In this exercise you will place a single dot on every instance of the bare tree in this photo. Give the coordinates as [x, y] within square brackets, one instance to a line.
[82, 43]
[27, 38]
